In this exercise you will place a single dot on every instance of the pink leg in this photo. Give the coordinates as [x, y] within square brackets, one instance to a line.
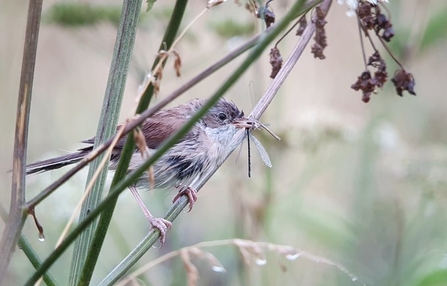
[158, 223]
[188, 192]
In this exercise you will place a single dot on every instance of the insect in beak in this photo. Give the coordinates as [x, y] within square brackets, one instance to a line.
[244, 122]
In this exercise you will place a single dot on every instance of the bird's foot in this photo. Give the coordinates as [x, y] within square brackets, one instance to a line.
[162, 225]
[190, 193]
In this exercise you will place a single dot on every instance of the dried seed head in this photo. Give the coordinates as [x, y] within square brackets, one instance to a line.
[403, 81]
[371, 18]
[320, 35]
[265, 13]
[380, 75]
[177, 63]
[275, 61]
[158, 75]
[365, 14]
[302, 26]
[366, 84]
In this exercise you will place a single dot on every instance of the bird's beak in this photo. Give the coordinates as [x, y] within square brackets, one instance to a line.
[244, 122]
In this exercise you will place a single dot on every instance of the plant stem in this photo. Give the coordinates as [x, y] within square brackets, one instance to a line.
[126, 155]
[17, 215]
[107, 125]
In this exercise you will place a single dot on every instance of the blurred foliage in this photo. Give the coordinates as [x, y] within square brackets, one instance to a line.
[76, 14]
[436, 278]
[228, 28]
[150, 4]
[432, 32]
[436, 29]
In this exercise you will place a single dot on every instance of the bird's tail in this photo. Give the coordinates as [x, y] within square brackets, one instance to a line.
[58, 162]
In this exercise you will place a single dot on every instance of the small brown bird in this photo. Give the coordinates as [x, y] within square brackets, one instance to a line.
[204, 147]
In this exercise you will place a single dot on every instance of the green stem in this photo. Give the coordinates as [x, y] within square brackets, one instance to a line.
[17, 215]
[126, 154]
[32, 256]
[107, 125]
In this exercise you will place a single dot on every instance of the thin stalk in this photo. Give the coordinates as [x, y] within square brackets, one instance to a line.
[17, 214]
[107, 125]
[362, 45]
[126, 155]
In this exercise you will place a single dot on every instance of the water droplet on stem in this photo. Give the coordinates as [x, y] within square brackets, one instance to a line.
[292, 256]
[219, 269]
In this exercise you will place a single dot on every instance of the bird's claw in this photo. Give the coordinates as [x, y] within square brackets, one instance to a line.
[190, 193]
[162, 226]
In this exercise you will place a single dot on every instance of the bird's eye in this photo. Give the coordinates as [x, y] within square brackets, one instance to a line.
[222, 116]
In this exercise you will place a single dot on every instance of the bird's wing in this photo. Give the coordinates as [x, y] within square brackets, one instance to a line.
[156, 129]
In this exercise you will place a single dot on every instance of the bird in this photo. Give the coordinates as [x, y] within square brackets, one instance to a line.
[203, 148]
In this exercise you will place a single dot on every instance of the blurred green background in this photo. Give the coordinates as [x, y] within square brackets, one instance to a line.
[362, 185]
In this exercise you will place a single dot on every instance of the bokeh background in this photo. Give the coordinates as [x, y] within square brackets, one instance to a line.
[361, 185]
